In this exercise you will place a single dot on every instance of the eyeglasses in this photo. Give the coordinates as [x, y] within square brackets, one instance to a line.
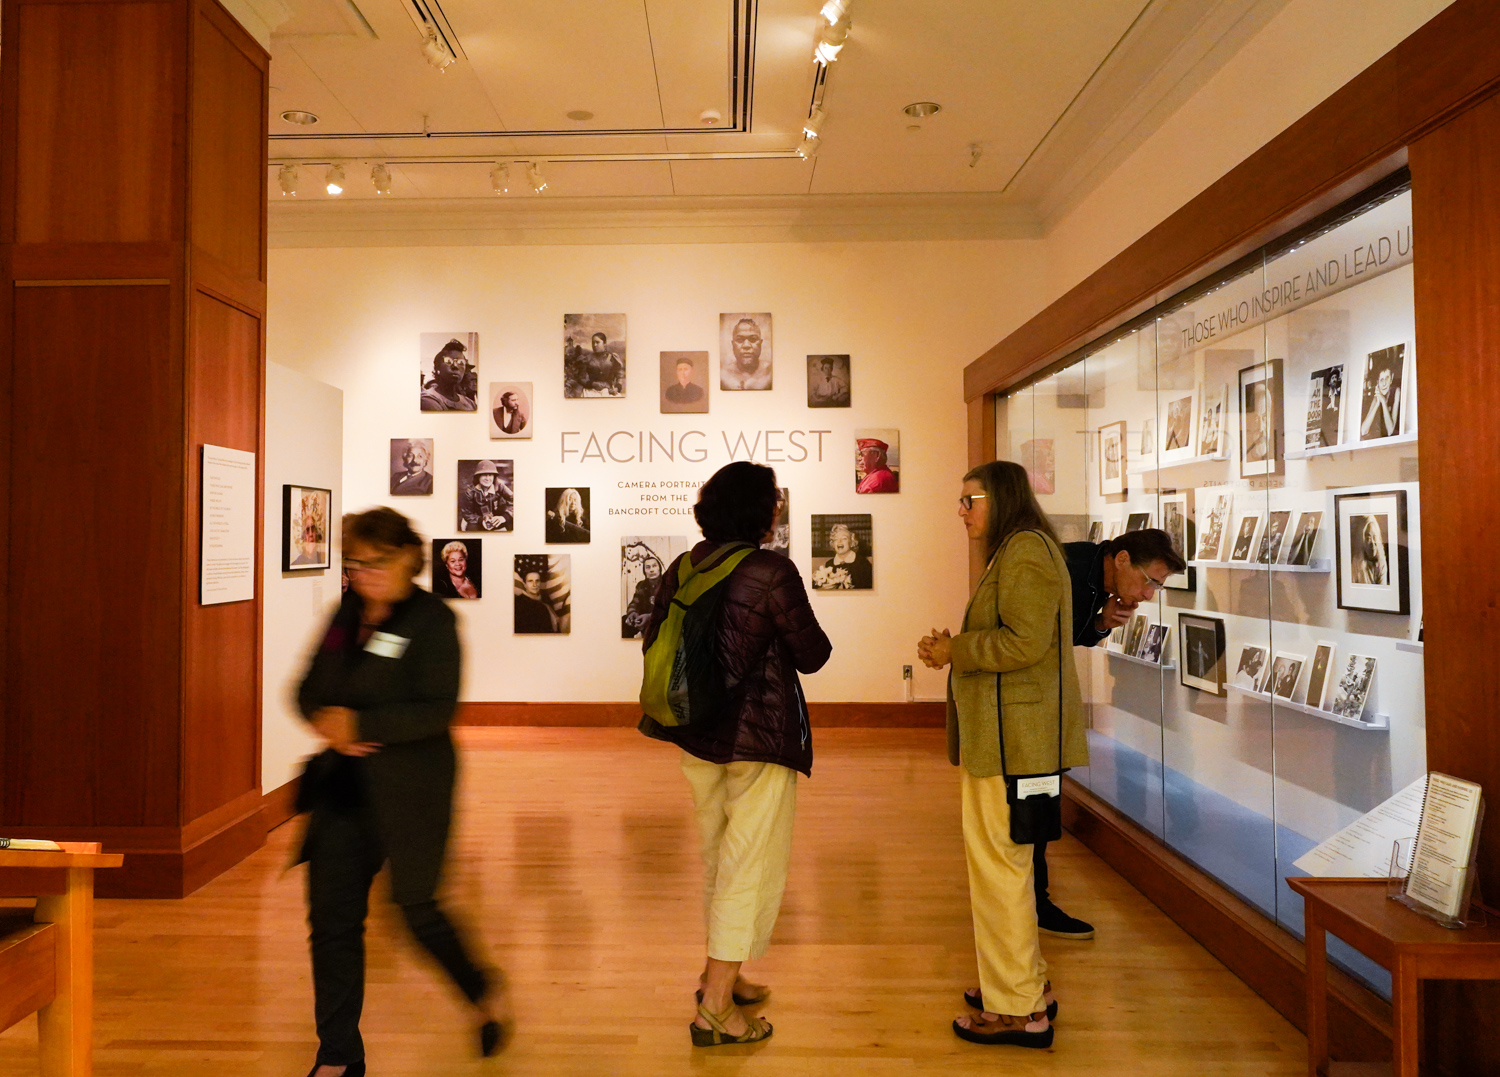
[966, 502]
[1151, 582]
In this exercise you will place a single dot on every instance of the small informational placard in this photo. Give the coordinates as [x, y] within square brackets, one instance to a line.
[1362, 850]
[226, 566]
[1445, 845]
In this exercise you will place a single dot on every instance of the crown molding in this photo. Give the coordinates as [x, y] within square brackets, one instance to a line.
[465, 222]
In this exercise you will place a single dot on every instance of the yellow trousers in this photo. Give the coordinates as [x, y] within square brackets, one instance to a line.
[745, 813]
[1012, 973]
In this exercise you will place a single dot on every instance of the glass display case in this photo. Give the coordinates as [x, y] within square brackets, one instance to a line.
[1267, 420]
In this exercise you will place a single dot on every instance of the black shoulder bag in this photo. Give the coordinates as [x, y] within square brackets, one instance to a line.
[1035, 799]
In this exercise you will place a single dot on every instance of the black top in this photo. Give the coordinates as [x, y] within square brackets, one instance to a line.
[1086, 570]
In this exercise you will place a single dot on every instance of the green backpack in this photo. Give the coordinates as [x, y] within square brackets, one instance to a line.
[683, 684]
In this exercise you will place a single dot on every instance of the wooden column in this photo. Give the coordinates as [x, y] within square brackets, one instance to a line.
[132, 248]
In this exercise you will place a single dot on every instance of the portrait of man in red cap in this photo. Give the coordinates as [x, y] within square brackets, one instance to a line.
[877, 467]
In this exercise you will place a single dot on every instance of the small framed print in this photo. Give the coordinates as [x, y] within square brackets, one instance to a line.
[1153, 644]
[1286, 673]
[1383, 397]
[1177, 442]
[305, 512]
[1260, 411]
[1305, 538]
[1244, 538]
[1135, 634]
[1213, 524]
[1177, 522]
[1251, 674]
[1370, 541]
[1213, 439]
[1138, 521]
[1273, 539]
[1352, 690]
[1321, 676]
[1112, 459]
[1201, 642]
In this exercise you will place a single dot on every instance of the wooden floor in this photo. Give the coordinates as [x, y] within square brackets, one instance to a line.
[576, 864]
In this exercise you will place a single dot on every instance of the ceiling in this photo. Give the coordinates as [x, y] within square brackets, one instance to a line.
[1039, 97]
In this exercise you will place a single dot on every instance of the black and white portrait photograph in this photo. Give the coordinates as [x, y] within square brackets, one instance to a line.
[1137, 521]
[1213, 525]
[1112, 459]
[486, 495]
[744, 351]
[1286, 672]
[305, 540]
[457, 568]
[1201, 643]
[1134, 633]
[1352, 689]
[1325, 403]
[1154, 643]
[843, 550]
[1251, 674]
[1148, 439]
[1305, 538]
[828, 381]
[1176, 427]
[877, 461]
[510, 410]
[1372, 556]
[1273, 538]
[568, 518]
[644, 560]
[450, 371]
[543, 585]
[1244, 538]
[1177, 522]
[781, 531]
[1383, 398]
[1320, 675]
[1096, 530]
[1260, 419]
[593, 355]
[411, 467]
[1211, 439]
[684, 382]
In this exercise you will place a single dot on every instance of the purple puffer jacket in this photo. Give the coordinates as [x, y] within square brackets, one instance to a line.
[767, 635]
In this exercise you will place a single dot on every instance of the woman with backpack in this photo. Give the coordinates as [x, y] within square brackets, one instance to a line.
[744, 622]
[1012, 670]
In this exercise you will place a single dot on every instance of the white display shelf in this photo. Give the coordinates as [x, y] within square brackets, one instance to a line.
[1414, 646]
[1323, 566]
[1147, 468]
[1377, 722]
[1351, 446]
[1142, 661]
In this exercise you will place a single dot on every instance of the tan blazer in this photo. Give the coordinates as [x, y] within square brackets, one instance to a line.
[1019, 623]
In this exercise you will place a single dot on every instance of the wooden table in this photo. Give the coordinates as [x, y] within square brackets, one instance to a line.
[1407, 943]
[47, 966]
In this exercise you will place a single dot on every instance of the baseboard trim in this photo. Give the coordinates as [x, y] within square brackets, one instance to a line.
[597, 715]
[279, 805]
[1266, 956]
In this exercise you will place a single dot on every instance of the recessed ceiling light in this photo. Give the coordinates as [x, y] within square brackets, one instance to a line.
[920, 110]
[296, 116]
[580, 114]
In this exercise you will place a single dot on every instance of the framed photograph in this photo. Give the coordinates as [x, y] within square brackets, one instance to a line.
[543, 586]
[1176, 427]
[1244, 538]
[1134, 634]
[411, 467]
[457, 568]
[684, 382]
[1260, 419]
[1352, 691]
[568, 518]
[744, 352]
[1286, 674]
[843, 552]
[877, 461]
[510, 410]
[644, 560]
[486, 495]
[1325, 402]
[1154, 645]
[1213, 524]
[1273, 539]
[1305, 538]
[1112, 459]
[1177, 522]
[305, 512]
[1201, 643]
[1138, 521]
[450, 371]
[1253, 669]
[781, 531]
[1039, 458]
[593, 355]
[1212, 440]
[1384, 392]
[1320, 675]
[828, 381]
[1370, 529]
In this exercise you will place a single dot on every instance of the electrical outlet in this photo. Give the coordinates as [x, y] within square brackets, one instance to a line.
[906, 673]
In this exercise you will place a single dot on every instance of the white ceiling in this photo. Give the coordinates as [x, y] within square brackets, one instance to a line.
[1051, 91]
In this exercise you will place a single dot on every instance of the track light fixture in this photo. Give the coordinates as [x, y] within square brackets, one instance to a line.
[380, 178]
[534, 175]
[831, 39]
[808, 147]
[500, 179]
[287, 177]
[812, 127]
[435, 49]
[835, 10]
[333, 180]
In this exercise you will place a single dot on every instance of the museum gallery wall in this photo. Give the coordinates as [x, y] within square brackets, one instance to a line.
[562, 405]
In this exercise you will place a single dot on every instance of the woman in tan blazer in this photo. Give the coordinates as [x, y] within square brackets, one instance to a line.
[1016, 636]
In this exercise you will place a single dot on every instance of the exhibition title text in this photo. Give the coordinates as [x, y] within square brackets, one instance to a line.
[693, 446]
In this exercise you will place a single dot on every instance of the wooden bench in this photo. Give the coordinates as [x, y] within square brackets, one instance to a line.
[47, 955]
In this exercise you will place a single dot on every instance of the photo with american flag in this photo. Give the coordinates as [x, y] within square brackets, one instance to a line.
[543, 587]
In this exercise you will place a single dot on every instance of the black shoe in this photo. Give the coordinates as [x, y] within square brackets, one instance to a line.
[972, 999]
[493, 1037]
[1051, 920]
[1013, 1036]
[352, 1069]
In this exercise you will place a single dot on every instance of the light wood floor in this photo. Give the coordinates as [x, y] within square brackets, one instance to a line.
[575, 862]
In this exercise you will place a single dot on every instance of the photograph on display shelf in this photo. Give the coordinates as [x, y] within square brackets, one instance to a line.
[843, 552]
[568, 518]
[1176, 427]
[781, 530]
[1384, 394]
[684, 382]
[1148, 439]
[644, 560]
[1286, 672]
[1201, 643]
[593, 355]
[1213, 524]
[1352, 690]
[1370, 541]
[486, 495]
[1177, 522]
[1134, 634]
[450, 371]
[1325, 402]
[1244, 539]
[1211, 439]
[877, 461]
[510, 409]
[457, 568]
[411, 467]
[1096, 530]
[828, 381]
[1039, 458]
[1305, 538]
[744, 351]
[1116, 528]
[1260, 419]
[1112, 459]
[1138, 521]
[1273, 538]
[305, 514]
[543, 584]
[1320, 675]
[1154, 644]
[1252, 670]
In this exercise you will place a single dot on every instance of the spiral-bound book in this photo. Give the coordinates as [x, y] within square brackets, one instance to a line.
[1443, 858]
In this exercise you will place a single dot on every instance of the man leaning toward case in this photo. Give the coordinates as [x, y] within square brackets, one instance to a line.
[683, 391]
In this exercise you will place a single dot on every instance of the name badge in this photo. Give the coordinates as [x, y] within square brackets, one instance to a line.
[386, 645]
[1048, 786]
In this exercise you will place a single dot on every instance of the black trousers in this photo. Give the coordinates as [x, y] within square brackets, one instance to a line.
[1039, 875]
[343, 857]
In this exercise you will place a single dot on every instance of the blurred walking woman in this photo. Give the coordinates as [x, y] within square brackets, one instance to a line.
[1017, 634]
[381, 690]
[742, 763]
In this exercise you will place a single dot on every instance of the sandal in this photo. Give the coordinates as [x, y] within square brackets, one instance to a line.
[1008, 1030]
[972, 999]
[716, 1035]
[739, 999]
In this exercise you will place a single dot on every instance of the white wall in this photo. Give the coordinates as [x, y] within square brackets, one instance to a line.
[911, 315]
[304, 446]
